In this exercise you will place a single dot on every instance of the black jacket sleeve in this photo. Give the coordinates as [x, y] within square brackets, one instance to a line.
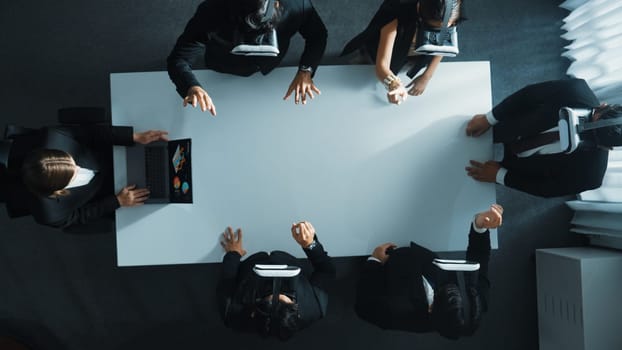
[557, 174]
[88, 213]
[479, 250]
[227, 287]
[371, 298]
[324, 271]
[191, 44]
[556, 93]
[314, 32]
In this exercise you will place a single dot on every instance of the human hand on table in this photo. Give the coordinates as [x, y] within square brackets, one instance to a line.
[149, 136]
[302, 85]
[196, 95]
[477, 125]
[397, 95]
[380, 252]
[417, 86]
[485, 172]
[232, 242]
[131, 196]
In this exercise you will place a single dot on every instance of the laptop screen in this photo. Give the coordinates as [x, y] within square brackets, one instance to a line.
[180, 171]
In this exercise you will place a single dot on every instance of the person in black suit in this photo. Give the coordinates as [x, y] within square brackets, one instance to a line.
[245, 299]
[389, 41]
[541, 169]
[67, 172]
[212, 29]
[401, 289]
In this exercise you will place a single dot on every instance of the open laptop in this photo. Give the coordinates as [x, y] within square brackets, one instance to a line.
[165, 168]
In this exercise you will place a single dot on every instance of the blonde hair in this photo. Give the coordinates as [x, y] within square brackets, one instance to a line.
[46, 172]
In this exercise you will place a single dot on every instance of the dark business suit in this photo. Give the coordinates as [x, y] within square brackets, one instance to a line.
[240, 287]
[392, 295]
[405, 11]
[532, 110]
[91, 148]
[210, 31]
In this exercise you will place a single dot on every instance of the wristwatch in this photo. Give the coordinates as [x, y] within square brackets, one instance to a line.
[304, 68]
[312, 245]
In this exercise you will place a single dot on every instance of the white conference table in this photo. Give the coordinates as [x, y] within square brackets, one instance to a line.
[362, 171]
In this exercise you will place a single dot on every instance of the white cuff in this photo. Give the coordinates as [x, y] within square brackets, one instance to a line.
[501, 176]
[477, 229]
[491, 118]
[371, 258]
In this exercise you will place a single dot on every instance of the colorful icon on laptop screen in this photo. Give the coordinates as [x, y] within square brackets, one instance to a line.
[176, 182]
[185, 187]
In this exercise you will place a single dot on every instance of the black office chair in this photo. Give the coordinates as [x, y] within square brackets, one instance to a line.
[5, 148]
[11, 188]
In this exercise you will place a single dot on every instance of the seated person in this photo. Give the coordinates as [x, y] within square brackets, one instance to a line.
[245, 299]
[68, 174]
[531, 162]
[213, 30]
[401, 289]
[389, 41]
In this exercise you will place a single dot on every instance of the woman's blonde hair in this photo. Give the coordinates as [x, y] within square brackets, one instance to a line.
[46, 172]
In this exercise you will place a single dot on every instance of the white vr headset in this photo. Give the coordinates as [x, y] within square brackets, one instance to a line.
[573, 122]
[256, 35]
[276, 271]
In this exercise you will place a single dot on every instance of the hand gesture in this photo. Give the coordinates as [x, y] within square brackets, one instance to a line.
[477, 125]
[492, 218]
[485, 172]
[380, 252]
[196, 95]
[417, 86]
[302, 85]
[397, 95]
[232, 242]
[131, 196]
[304, 233]
[150, 136]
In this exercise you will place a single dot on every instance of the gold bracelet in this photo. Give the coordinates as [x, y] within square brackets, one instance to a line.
[395, 84]
[391, 82]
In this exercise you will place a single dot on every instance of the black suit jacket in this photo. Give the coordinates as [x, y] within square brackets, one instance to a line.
[405, 11]
[239, 286]
[90, 147]
[533, 110]
[210, 32]
[392, 296]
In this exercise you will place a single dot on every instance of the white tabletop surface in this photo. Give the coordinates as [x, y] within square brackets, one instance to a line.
[362, 171]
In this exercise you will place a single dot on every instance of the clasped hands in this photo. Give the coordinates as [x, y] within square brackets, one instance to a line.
[416, 87]
[302, 87]
[302, 232]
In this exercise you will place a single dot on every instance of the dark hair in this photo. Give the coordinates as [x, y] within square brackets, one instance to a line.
[283, 324]
[609, 136]
[435, 10]
[46, 172]
[448, 312]
[250, 14]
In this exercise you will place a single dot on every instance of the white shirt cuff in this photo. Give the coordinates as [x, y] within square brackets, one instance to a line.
[491, 118]
[371, 258]
[477, 229]
[501, 176]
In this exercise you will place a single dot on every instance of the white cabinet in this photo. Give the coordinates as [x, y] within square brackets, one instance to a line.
[579, 298]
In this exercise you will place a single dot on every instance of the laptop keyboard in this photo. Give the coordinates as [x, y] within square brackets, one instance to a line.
[155, 161]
